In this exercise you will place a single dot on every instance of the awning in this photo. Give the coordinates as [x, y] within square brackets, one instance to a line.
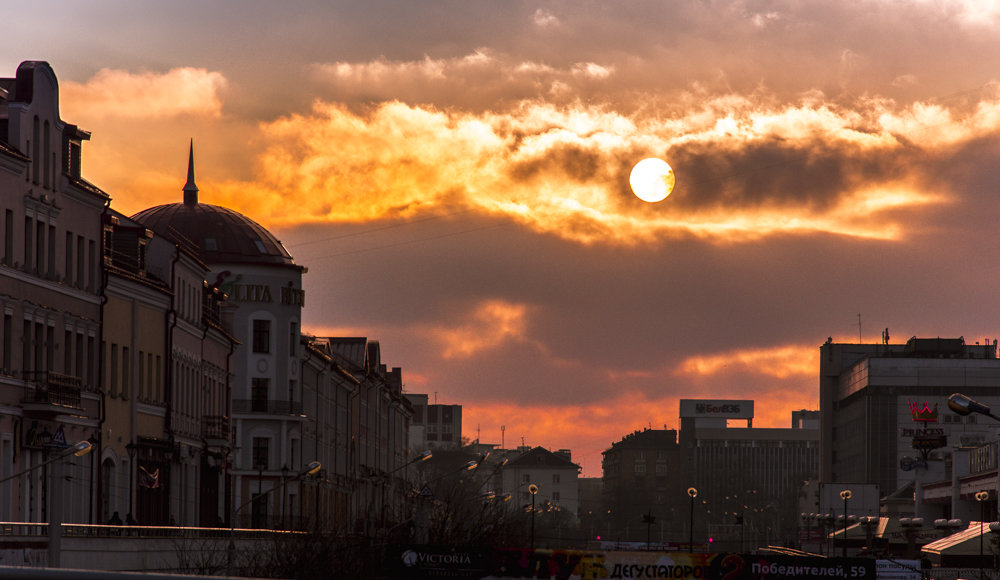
[962, 543]
[963, 548]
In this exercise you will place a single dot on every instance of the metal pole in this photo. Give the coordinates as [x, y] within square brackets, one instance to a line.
[844, 553]
[691, 528]
[532, 522]
[55, 513]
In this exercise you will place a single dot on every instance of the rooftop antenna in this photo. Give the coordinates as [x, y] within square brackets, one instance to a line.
[502, 429]
[859, 328]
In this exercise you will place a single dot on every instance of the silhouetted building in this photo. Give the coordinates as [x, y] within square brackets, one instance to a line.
[434, 426]
[643, 476]
[748, 479]
[50, 286]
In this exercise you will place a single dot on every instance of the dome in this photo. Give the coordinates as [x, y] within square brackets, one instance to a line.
[220, 235]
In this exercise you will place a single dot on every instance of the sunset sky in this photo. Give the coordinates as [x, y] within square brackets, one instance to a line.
[454, 174]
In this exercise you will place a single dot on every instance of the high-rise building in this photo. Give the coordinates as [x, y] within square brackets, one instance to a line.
[884, 408]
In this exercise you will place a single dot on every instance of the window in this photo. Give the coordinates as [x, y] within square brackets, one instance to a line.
[555, 478]
[113, 388]
[68, 270]
[293, 337]
[8, 322]
[29, 236]
[262, 336]
[525, 478]
[555, 496]
[661, 468]
[126, 372]
[640, 468]
[260, 452]
[68, 351]
[258, 395]
[8, 237]
[79, 261]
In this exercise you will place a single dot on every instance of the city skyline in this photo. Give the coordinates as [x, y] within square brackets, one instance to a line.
[455, 177]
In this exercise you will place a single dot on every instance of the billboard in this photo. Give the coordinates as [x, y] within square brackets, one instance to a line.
[716, 409]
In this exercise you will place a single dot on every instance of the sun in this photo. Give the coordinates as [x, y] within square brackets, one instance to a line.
[652, 180]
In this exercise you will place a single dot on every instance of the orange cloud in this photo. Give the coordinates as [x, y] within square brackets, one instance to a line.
[147, 95]
[491, 324]
[559, 169]
[780, 362]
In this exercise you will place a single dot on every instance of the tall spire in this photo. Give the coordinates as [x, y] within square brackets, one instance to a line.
[190, 189]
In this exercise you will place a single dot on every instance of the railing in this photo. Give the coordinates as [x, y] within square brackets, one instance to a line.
[984, 458]
[215, 427]
[53, 388]
[270, 406]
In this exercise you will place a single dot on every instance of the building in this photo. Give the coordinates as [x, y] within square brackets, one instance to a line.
[50, 286]
[642, 477]
[379, 419]
[884, 417]
[553, 472]
[748, 479]
[263, 285]
[434, 426]
[167, 387]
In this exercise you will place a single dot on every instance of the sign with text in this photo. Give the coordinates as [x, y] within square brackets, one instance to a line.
[508, 563]
[716, 408]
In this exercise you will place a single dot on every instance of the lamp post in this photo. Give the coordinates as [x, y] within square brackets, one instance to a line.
[963, 405]
[55, 494]
[310, 469]
[692, 493]
[981, 497]
[533, 490]
[384, 479]
[845, 495]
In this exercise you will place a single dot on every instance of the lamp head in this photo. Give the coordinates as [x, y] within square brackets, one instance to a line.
[82, 448]
[427, 454]
[533, 489]
[964, 405]
[313, 468]
[692, 492]
[845, 495]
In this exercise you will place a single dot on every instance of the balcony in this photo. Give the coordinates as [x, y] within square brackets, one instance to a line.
[267, 406]
[215, 431]
[51, 393]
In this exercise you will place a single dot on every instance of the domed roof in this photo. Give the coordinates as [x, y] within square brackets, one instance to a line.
[220, 235]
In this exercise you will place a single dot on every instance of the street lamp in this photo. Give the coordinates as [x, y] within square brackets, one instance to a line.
[964, 405]
[311, 469]
[693, 493]
[981, 497]
[533, 490]
[845, 495]
[80, 449]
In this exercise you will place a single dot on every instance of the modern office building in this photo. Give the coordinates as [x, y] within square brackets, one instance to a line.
[748, 479]
[884, 412]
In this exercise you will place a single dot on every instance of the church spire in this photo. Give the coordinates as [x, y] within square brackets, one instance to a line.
[190, 189]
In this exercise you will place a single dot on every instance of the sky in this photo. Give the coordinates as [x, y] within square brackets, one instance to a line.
[454, 175]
